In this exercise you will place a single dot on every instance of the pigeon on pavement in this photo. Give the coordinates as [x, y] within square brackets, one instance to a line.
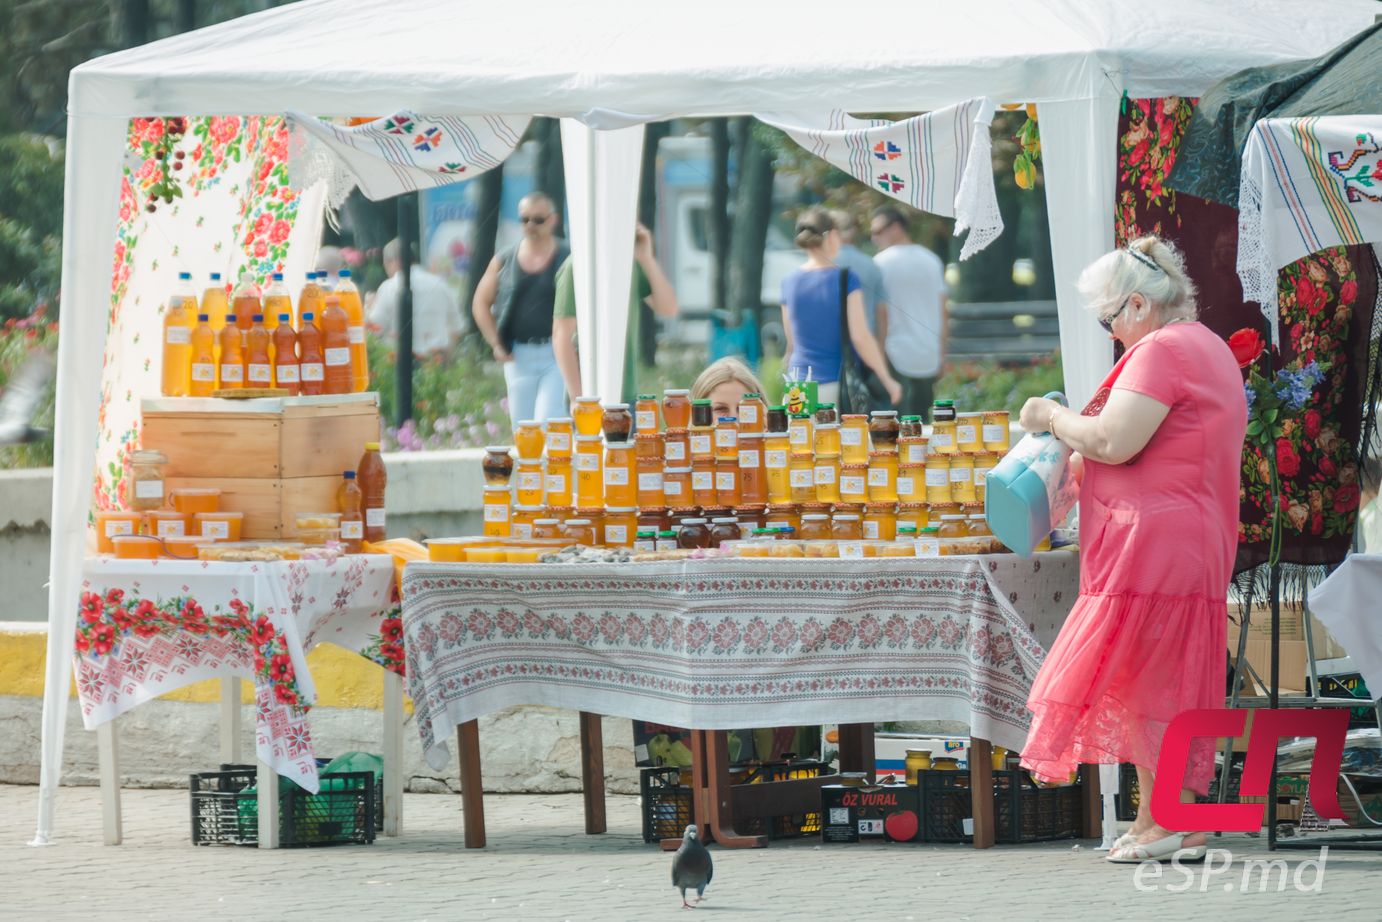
[691, 867]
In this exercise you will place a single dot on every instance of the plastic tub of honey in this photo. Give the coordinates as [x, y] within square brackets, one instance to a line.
[524, 554]
[486, 555]
[191, 500]
[822, 548]
[316, 537]
[165, 523]
[114, 522]
[184, 547]
[782, 548]
[136, 547]
[223, 526]
[450, 550]
[895, 549]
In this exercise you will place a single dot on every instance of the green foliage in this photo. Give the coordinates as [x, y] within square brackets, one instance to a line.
[30, 224]
[460, 399]
[989, 385]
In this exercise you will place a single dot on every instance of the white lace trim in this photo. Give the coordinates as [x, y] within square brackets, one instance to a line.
[311, 162]
[976, 201]
[1255, 269]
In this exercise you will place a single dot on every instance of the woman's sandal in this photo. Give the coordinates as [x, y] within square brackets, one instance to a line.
[1166, 848]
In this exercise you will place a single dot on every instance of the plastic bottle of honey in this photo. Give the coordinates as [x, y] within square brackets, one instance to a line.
[178, 322]
[311, 367]
[336, 348]
[203, 377]
[232, 354]
[259, 369]
[285, 350]
[373, 480]
[350, 503]
[349, 297]
[277, 302]
[312, 301]
[245, 302]
[214, 302]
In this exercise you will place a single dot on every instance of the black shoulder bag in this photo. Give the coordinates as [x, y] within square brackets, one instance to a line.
[854, 387]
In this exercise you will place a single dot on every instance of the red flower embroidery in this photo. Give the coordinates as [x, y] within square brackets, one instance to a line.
[1346, 498]
[1348, 292]
[262, 632]
[102, 639]
[1312, 423]
[1287, 461]
[391, 629]
[279, 232]
[91, 607]
[146, 628]
[1246, 345]
[82, 643]
[115, 596]
[285, 694]
[261, 226]
[281, 667]
[392, 652]
[240, 608]
[1310, 296]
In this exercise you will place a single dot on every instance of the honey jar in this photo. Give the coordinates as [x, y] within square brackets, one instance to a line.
[496, 512]
[528, 440]
[782, 516]
[911, 483]
[649, 471]
[580, 531]
[883, 469]
[590, 482]
[912, 449]
[814, 527]
[645, 413]
[530, 486]
[752, 413]
[621, 524]
[588, 416]
[547, 528]
[753, 487]
[620, 486]
[969, 432]
[676, 449]
[880, 522]
[827, 439]
[943, 428]
[727, 438]
[800, 434]
[938, 478]
[827, 478]
[854, 483]
[913, 514]
[617, 423]
[997, 433]
[962, 478]
[826, 414]
[559, 485]
[846, 527]
[854, 438]
[751, 516]
[802, 478]
[909, 427]
[676, 408]
[596, 515]
[694, 533]
[777, 419]
[952, 534]
[522, 521]
[559, 432]
[724, 529]
[497, 465]
[676, 487]
[884, 430]
[776, 469]
[727, 482]
[929, 542]
[146, 476]
[983, 463]
[649, 445]
[703, 481]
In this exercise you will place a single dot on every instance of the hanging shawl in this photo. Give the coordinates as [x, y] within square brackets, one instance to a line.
[939, 162]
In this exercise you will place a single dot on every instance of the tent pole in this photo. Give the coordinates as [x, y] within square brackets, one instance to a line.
[403, 389]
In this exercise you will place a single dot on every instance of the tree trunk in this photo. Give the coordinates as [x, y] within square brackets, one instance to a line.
[752, 215]
[484, 236]
[372, 224]
[186, 15]
[647, 216]
[132, 23]
[550, 175]
[717, 219]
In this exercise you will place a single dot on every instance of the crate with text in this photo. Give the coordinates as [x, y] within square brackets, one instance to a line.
[889, 812]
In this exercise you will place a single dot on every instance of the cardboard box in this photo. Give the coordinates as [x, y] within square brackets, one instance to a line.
[1292, 662]
[890, 751]
[1291, 618]
[890, 813]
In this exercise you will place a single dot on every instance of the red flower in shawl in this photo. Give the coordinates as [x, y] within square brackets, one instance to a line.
[1348, 292]
[1310, 296]
[281, 667]
[1246, 346]
[1346, 498]
[91, 607]
[285, 694]
[262, 632]
[391, 629]
[1312, 423]
[1287, 461]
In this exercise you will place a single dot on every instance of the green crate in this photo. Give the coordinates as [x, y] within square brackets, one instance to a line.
[225, 810]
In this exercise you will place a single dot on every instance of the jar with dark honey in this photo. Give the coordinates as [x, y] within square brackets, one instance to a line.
[826, 415]
[910, 427]
[693, 533]
[884, 430]
[777, 419]
[497, 466]
[724, 529]
[702, 414]
[617, 422]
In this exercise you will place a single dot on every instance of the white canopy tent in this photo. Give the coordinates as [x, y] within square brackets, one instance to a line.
[612, 64]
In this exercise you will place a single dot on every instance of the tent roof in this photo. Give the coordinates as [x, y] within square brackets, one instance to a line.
[555, 57]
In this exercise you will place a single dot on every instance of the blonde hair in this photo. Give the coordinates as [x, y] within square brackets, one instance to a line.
[722, 371]
[1149, 266]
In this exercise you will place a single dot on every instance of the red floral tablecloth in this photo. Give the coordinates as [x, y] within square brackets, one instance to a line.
[151, 626]
[735, 643]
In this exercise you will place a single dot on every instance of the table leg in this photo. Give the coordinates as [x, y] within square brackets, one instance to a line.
[472, 788]
[856, 749]
[267, 783]
[719, 799]
[393, 753]
[1093, 802]
[593, 772]
[230, 720]
[108, 753]
[700, 792]
[981, 791]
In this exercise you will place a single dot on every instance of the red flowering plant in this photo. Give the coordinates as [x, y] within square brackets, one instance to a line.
[1275, 398]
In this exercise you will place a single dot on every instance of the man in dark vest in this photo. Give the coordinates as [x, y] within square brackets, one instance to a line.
[513, 311]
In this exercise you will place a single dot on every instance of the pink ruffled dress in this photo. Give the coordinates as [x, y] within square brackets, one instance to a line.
[1146, 638]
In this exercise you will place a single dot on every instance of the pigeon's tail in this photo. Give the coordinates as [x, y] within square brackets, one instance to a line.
[20, 400]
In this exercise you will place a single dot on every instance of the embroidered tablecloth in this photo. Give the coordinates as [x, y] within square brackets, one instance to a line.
[151, 626]
[728, 644]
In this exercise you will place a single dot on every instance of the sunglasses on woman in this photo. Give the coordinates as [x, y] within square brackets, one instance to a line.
[535, 219]
[1107, 322]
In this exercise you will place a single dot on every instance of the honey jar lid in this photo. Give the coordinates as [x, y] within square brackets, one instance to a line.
[499, 449]
[616, 406]
[547, 521]
[620, 510]
[676, 392]
[693, 521]
[678, 470]
[815, 517]
[529, 422]
[578, 522]
[559, 419]
[884, 413]
[846, 517]
[725, 520]
[587, 399]
[952, 518]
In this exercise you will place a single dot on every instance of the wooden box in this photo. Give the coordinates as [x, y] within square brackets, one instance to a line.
[271, 458]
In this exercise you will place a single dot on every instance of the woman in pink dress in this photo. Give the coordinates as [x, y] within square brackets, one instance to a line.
[1158, 452]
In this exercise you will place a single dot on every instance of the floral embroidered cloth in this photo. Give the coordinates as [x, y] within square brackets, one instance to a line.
[151, 626]
[735, 643]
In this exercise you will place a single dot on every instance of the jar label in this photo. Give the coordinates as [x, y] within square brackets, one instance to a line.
[586, 462]
[178, 335]
[287, 374]
[201, 371]
[961, 474]
[148, 489]
[338, 356]
[616, 476]
[700, 444]
[118, 527]
[170, 528]
[354, 531]
[981, 476]
[852, 436]
[616, 534]
[558, 441]
[494, 512]
[852, 549]
[965, 433]
[748, 413]
[800, 435]
[994, 433]
[218, 530]
[941, 440]
[646, 420]
[928, 547]
[529, 481]
[650, 482]
[724, 480]
[644, 544]
[374, 518]
[916, 454]
[261, 374]
[726, 438]
[671, 488]
[802, 477]
[748, 458]
[878, 476]
[676, 450]
[775, 459]
[355, 334]
[825, 474]
[702, 480]
[232, 374]
[871, 530]
[851, 483]
[906, 486]
[556, 483]
[313, 371]
[938, 476]
[524, 530]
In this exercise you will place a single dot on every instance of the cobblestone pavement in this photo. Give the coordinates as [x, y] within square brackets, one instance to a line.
[539, 865]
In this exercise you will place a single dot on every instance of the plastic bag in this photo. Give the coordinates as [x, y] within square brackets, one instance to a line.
[1031, 490]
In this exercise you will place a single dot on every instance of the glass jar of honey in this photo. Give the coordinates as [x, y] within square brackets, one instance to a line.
[146, 474]
[752, 413]
[936, 510]
[962, 478]
[980, 533]
[645, 541]
[997, 432]
[782, 515]
[676, 408]
[800, 434]
[911, 483]
[559, 432]
[724, 529]
[929, 542]
[702, 414]
[776, 467]
[827, 478]
[617, 423]
[814, 527]
[777, 419]
[676, 487]
[620, 485]
[497, 465]
[751, 516]
[655, 518]
[559, 485]
[912, 449]
[727, 482]
[649, 445]
[854, 483]
[726, 438]
[969, 429]
[984, 462]
[676, 446]
[753, 487]
[645, 413]
[621, 523]
[883, 476]
[523, 520]
[588, 415]
[854, 438]
[802, 478]
[528, 439]
[846, 527]
[909, 427]
[693, 533]
[590, 481]
[943, 428]
[884, 430]
[938, 478]
[496, 512]
[826, 414]
[703, 481]
[530, 484]
[913, 514]
[952, 534]
[880, 522]
[649, 481]
[827, 439]
[596, 515]
[547, 528]
[580, 531]
[702, 442]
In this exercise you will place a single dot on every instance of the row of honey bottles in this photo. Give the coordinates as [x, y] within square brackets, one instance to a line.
[251, 342]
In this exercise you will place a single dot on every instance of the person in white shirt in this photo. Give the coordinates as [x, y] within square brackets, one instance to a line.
[913, 313]
[436, 311]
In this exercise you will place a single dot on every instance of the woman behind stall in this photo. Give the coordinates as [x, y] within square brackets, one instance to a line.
[722, 383]
[811, 313]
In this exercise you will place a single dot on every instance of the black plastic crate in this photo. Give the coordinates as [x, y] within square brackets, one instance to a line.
[667, 801]
[1023, 811]
[945, 805]
[1129, 795]
[343, 812]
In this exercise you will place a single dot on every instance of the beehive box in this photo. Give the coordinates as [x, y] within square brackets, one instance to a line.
[271, 458]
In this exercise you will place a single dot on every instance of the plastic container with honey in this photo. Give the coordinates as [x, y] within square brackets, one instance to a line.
[938, 478]
[802, 478]
[620, 485]
[726, 438]
[521, 523]
[621, 525]
[997, 432]
[752, 413]
[962, 478]
[782, 547]
[969, 429]
[223, 526]
[827, 478]
[645, 415]
[528, 440]
[165, 523]
[827, 547]
[912, 449]
[727, 482]
[559, 433]
[854, 438]
[880, 521]
[800, 434]
[905, 548]
[496, 512]
[883, 469]
[753, 487]
[676, 449]
[676, 487]
[589, 472]
[184, 547]
[588, 416]
[703, 481]
[137, 547]
[111, 523]
[191, 500]
[777, 466]
[827, 439]
[558, 482]
[854, 482]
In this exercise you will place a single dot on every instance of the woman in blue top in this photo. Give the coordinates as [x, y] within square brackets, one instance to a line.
[811, 312]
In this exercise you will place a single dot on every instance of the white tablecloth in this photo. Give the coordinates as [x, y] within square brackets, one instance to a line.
[1349, 603]
[151, 626]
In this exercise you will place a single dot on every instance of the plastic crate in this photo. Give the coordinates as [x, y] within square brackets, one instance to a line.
[1129, 796]
[667, 801]
[1023, 812]
[343, 812]
[945, 806]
